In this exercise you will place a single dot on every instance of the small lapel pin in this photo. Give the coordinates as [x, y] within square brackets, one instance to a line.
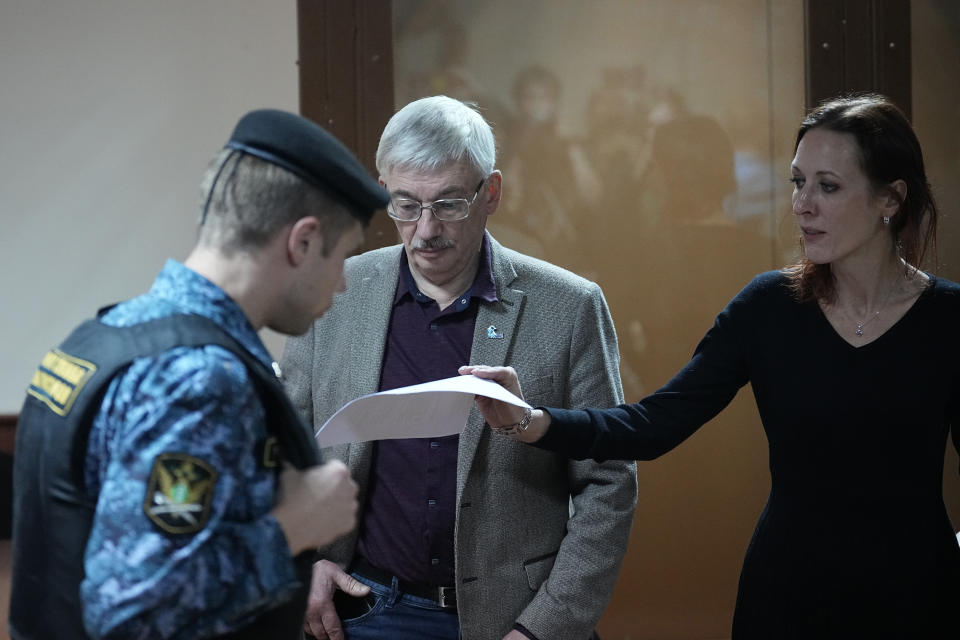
[493, 332]
[276, 370]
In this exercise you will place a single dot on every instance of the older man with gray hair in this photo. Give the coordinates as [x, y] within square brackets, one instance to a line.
[465, 536]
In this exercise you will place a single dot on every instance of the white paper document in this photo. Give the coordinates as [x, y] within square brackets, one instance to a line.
[431, 409]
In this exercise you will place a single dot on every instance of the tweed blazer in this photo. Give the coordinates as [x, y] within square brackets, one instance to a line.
[539, 538]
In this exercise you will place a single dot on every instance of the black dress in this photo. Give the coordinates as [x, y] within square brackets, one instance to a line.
[854, 540]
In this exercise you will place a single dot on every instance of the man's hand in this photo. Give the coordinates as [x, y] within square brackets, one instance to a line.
[322, 620]
[515, 635]
[315, 506]
[497, 413]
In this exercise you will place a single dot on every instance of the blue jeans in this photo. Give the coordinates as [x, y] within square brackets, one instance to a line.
[400, 616]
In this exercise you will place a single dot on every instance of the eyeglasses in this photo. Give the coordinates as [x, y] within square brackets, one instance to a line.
[445, 210]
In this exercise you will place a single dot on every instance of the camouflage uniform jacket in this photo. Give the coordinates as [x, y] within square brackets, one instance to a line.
[182, 430]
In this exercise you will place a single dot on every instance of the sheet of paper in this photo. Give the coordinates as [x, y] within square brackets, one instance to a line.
[431, 409]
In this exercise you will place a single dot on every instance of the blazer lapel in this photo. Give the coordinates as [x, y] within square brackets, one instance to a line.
[493, 321]
[375, 288]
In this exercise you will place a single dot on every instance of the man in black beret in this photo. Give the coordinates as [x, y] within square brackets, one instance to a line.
[165, 488]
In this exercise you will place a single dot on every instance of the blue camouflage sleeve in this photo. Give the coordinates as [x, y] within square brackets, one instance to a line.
[182, 543]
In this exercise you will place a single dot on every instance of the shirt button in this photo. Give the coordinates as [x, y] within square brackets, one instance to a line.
[433, 326]
[463, 301]
[434, 561]
[434, 444]
[432, 502]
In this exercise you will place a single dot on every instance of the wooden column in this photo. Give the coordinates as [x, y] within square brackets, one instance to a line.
[346, 79]
[858, 45]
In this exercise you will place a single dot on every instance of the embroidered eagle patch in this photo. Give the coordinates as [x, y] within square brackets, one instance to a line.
[179, 493]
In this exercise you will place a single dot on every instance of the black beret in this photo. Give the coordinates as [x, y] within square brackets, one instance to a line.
[309, 151]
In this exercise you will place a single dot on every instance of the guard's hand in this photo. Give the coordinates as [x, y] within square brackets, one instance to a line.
[315, 506]
[322, 620]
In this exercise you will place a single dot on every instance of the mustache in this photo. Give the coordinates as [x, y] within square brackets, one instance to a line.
[436, 242]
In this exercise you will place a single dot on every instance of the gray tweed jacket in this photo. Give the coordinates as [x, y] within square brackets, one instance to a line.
[539, 538]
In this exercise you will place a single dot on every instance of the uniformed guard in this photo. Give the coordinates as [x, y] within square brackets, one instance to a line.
[164, 485]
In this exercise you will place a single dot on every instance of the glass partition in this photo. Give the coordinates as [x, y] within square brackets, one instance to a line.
[645, 145]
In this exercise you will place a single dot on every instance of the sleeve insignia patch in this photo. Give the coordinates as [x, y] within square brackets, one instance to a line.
[59, 379]
[179, 493]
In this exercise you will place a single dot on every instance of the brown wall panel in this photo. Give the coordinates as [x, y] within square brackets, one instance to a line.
[824, 63]
[892, 50]
[858, 45]
[346, 79]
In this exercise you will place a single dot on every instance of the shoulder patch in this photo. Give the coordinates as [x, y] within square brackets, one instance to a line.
[59, 380]
[179, 493]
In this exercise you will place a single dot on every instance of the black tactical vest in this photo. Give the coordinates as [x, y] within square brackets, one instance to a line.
[52, 513]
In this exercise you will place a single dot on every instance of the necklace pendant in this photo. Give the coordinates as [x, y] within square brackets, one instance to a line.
[859, 330]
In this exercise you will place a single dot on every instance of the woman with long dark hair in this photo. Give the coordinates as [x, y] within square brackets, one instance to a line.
[853, 355]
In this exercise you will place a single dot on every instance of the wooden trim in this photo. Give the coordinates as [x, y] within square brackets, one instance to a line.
[346, 79]
[8, 430]
[857, 45]
[892, 62]
[823, 59]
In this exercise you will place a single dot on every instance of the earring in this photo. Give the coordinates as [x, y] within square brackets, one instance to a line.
[886, 219]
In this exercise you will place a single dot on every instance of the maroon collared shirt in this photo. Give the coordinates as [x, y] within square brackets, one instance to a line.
[407, 525]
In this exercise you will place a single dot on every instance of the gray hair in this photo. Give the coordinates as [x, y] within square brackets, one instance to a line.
[244, 201]
[434, 132]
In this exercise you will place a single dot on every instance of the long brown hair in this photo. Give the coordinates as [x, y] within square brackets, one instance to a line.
[888, 150]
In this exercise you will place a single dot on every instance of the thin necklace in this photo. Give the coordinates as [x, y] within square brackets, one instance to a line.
[861, 325]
